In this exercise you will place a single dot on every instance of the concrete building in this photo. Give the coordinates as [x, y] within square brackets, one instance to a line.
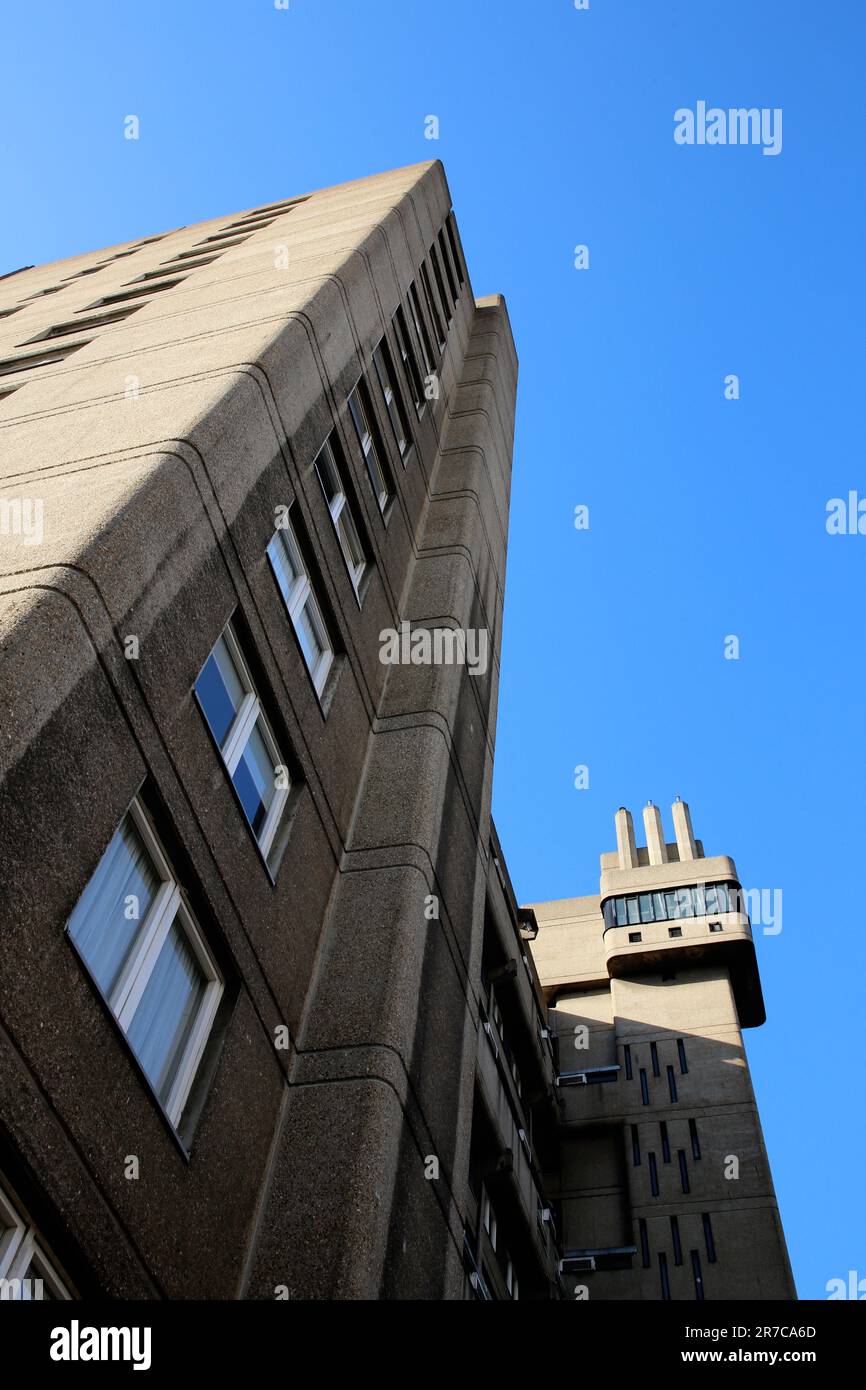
[271, 1020]
[664, 1187]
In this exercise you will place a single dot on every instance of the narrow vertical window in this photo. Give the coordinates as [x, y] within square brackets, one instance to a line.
[302, 604]
[446, 261]
[698, 1277]
[146, 955]
[677, 1243]
[708, 1238]
[681, 1053]
[696, 1143]
[644, 1088]
[626, 1053]
[371, 445]
[644, 1243]
[672, 1083]
[654, 1175]
[666, 1145]
[230, 704]
[330, 475]
[410, 361]
[393, 404]
[654, 1054]
[455, 250]
[663, 1276]
[684, 1170]
[26, 1273]
[635, 1146]
[420, 326]
[447, 304]
[432, 305]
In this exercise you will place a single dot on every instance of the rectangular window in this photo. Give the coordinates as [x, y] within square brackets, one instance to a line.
[621, 912]
[677, 1243]
[410, 362]
[393, 401]
[663, 1276]
[446, 303]
[132, 294]
[666, 1143]
[446, 261]
[455, 251]
[60, 330]
[708, 1238]
[10, 365]
[644, 1088]
[675, 931]
[646, 907]
[164, 270]
[25, 1269]
[635, 1146]
[142, 947]
[681, 1053]
[626, 1054]
[371, 445]
[220, 241]
[329, 471]
[420, 326]
[672, 1084]
[654, 1175]
[231, 706]
[634, 937]
[684, 1170]
[644, 1243]
[654, 1054]
[302, 604]
[633, 911]
[698, 1277]
[696, 1143]
[432, 305]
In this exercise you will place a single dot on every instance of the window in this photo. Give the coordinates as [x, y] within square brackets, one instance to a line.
[60, 330]
[165, 269]
[371, 445]
[421, 327]
[684, 1170]
[231, 706]
[654, 1175]
[666, 1145]
[330, 474]
[133, 294]
[696, 1143]
[698, 900]
[663, 1275]
[672, 1084]
[435, 316]
[708, 1238]
[635, 1146]
[626, 1053]
[677, 1243]
[635, 936]
[716, 927]
[26, 1272]
[143, 949]
[446, 303]
[698, 1277]
[446, 261]
[452, 242]
[654, 1054]
[39, 359]
[675, 931]
[644, 1088]
[220, 241]
[393, 403]
[410, 362]
[644, 1243]
[489, 1219]
[681, 1053]
[302, 605]
[511, 1282]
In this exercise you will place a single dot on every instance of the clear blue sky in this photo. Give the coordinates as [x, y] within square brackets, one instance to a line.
[707, 516]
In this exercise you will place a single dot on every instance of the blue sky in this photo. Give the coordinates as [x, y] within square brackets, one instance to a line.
[707, 516]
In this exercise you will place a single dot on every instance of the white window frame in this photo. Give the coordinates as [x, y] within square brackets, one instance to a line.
[413, 299]
[249, 716]
[411, 364]
[393, 404]
[375, 465]
[432, 304]
[302, 596]
[167, 908]
[341, 516]
[19, 1247]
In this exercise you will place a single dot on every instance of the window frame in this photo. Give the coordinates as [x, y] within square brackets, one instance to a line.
[168, 907]
[413, 299]
[250, 715]
[303, 597]
[386, 375]
[342, 515]
[432, 304]
[359, 403]
[20, 1247]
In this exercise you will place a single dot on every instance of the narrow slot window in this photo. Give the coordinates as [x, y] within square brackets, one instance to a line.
[666, 1143]
[644, 1243]
[708, 1238]
[681, 1053]
[303, 606]
[654, 1054]
[677, 1243]
[644, 1088]
[698, 1277]
[371, 445]
[654, 1174]
[626, 1055]
[693, 1135]
[684, 1170]
[672, 1084]
[663, 1276]
[635, 1146]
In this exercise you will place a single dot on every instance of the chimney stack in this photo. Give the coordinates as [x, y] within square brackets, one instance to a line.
[625, 844]
[655, 835]
[683, 830]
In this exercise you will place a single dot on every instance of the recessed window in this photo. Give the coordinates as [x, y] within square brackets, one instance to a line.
[644, 1243]
[132, 294]
[654, 1057]
[420, 327]
[708, 1238]
[446, 261]
[675, 931]
[219, 240]
[370, 441]
[697, 1276]
[644, 1087]
[302, 604]
[198, 253]
[39, 359]
[684, 1170]
[666, 1145]
[635, 1146]
[654, 1174]
[27, 1273]
[60, 330]
[231, 706]
[626, 1051]
[716, 927]
[455, 252]
[393, 402]
[329, 471]
[672, 1084]
[677, 1243]
[248, 224]
[143, 948]
[635, 936]
[446, 303]
[696, 1143]
[435, 316]
[410, 362]
[681, 1054]
[663, 1276]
